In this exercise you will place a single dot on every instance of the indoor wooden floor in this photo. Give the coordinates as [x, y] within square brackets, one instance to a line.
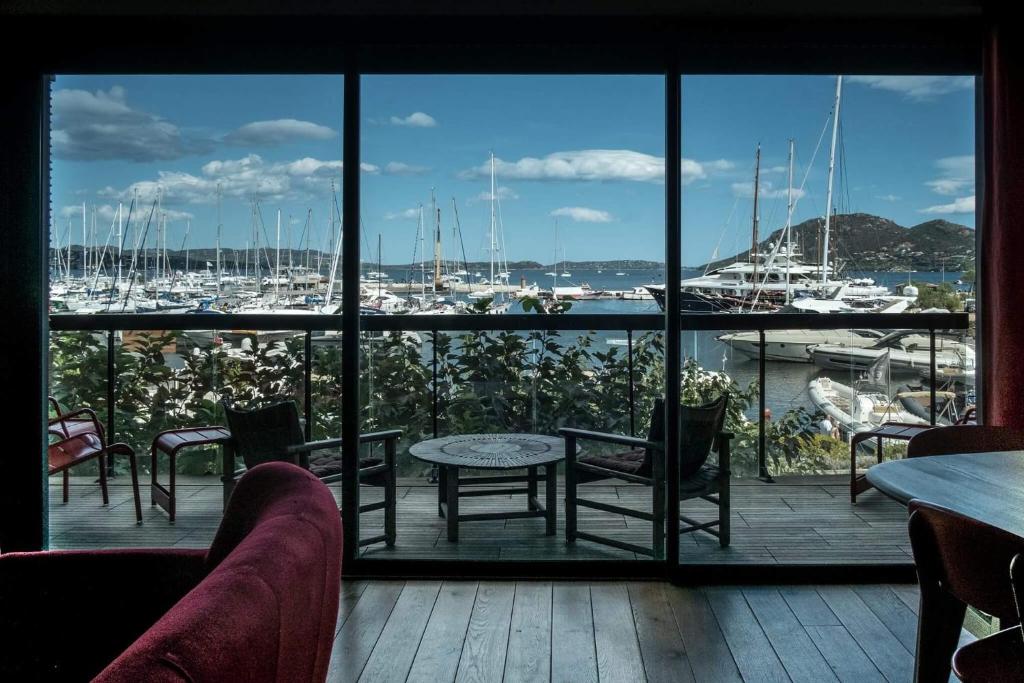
[794, 521]
[436, 631]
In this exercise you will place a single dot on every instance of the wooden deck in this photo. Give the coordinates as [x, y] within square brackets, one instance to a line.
[543, 631]
[794, 521]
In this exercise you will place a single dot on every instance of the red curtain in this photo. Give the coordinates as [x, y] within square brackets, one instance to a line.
[1001, 261]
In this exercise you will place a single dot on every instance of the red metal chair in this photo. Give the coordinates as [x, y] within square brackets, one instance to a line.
[960, 562]
[965, 439]
[80, 438]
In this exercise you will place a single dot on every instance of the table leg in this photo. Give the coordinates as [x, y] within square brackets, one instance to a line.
[531, 488]
[551, 488]
[442, 489]
[451, 477]
[227, 454]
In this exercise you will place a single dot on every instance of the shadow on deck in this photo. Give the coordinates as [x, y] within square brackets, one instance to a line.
[805, 520]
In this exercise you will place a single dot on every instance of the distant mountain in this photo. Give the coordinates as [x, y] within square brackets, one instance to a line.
[861, 241]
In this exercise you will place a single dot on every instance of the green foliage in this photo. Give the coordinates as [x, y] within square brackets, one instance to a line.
[484, 382]
[939, 296]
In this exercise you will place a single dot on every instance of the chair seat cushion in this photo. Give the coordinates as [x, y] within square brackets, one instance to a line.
[630, 462]
[998, 657]
[328, 465]
[700, 483]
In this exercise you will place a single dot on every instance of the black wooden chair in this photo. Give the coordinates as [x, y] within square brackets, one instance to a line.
[700, 433]
[274, 433]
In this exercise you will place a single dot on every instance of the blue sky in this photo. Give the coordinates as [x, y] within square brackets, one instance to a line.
[586, 151]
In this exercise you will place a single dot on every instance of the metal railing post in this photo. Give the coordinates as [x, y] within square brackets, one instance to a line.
[632, 391]
[111, 398]
[762, 439]
[931, 363]
[307, 382]
[433, 384]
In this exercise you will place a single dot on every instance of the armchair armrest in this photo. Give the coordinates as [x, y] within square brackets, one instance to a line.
[620, 439]
[311, 446]
[385, 435]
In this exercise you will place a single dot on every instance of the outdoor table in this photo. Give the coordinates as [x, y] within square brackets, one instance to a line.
[172, 441]
[493, 452]
[897, 431]
[988, 487]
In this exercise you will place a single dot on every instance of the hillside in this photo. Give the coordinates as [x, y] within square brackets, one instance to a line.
[861, 241]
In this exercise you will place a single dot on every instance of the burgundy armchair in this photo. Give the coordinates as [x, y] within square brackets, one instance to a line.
[260, 605]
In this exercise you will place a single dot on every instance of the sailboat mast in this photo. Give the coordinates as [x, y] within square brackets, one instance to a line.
[277, 265]
[219, 228]
[831, 170]
[492, 220]
[789, 222]
[757, 187]
[188, 232]
[85, 247]
[437, 240]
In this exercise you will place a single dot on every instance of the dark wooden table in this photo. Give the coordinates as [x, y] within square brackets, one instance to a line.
[493, 452]
[988, 487]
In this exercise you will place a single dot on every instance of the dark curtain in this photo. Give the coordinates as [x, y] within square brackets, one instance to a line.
[1001, 259]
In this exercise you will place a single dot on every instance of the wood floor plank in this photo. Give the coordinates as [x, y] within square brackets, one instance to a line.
[573, 656]
[808, 606]
[437, 659]
[796, 650]
[844, 655]
[661, 646]
[750, 646]
[358, 636]
[618, 652]
[892, 612]
[880, 645]
[707, 651]
[483, 653]
[529, 639]
[396, 647]
[349, 596]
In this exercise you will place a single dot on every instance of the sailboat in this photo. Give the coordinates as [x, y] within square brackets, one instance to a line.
[490, 293]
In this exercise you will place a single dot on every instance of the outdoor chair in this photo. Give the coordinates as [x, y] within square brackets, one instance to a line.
[77, 437]
[274, 433]
[953, 574]
[965, 439]
[700, 433]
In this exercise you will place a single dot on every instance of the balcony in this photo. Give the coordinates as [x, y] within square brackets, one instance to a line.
[439, 375]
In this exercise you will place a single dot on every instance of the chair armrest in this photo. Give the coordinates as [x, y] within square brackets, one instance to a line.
[610, 438]
[385, 435]
[310, 446]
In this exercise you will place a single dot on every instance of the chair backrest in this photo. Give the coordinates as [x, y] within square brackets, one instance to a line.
[966, 558]
[965, 439]
[264, 434]
[699, 428]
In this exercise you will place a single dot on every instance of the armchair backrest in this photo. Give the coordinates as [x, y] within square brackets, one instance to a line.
[698, 433]
[264, 434]
[699, 427]
[946, 551]
[965, 439]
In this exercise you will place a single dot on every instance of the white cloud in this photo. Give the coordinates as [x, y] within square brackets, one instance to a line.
[88, 126]
[582, 214]
[765, 190]
[888, 198]
[107, 213]
[402, 168]
[916, 87]
[960, 205]
[503, 192]
[277, 132]
[240, 178]
[595, 165]
[956, 175]
[417, 119]
[407, 213]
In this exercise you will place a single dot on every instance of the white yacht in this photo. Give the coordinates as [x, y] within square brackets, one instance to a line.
[794, 346]
[908, 351]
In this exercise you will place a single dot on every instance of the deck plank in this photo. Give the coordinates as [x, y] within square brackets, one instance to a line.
[395, 650]
[529, 641]
[661, 646]
[618, 652]
[437, 658]
[751, 649]
[573, 655]
[796, 650]
[357, 638]
[708, 652]
[486, 644]
[882, 647]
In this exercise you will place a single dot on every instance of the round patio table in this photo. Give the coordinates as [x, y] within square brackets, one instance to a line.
[493, 452]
